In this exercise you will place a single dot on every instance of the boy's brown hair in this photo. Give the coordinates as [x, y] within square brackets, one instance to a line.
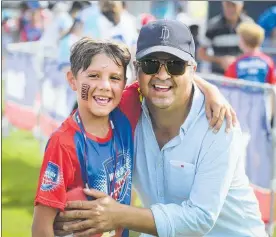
[251, 33]
[83, 51]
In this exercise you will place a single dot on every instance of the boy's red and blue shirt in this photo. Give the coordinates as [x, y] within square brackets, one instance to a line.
[63, 163]
[257, 67]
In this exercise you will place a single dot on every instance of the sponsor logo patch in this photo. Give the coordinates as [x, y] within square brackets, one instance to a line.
[51, 178]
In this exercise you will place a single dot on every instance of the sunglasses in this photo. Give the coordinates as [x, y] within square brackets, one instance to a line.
[173, 67]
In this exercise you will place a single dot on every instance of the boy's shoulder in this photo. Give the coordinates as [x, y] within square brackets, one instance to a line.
[64, 134]
[259, 55]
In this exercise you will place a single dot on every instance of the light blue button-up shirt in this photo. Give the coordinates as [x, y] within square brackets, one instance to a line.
[196, 184]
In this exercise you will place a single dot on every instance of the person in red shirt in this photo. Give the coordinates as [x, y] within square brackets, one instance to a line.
[93, 147]
[253, 65]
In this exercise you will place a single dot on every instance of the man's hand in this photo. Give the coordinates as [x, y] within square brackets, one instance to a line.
[94, 217]
[217, 108]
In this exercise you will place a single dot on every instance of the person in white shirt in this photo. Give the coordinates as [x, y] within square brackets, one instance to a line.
[60, 24]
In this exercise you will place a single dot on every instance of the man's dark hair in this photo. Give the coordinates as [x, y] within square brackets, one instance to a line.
[83, 51]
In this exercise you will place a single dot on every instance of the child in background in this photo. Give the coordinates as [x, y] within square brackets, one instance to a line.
[94, 146]
[253, 65]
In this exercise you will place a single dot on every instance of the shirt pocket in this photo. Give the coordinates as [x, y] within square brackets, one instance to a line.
[180, 179]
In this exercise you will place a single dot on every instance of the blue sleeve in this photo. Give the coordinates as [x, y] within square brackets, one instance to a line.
[215, 170]
[268, 20]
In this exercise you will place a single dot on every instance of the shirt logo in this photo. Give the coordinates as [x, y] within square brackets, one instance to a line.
[51, 178]
[122, 178]
[165, 34]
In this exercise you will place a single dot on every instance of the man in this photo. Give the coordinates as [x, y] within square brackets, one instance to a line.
[190, 180]
[222, 38]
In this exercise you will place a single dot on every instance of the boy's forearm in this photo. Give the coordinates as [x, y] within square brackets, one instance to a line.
[136, 219]
[43, 231]
[43, 221]
[203, 85]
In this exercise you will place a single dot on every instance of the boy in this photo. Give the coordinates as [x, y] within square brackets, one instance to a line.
[253, 65]
[93, 147]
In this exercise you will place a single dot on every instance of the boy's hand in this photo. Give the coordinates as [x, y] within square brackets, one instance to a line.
[217, 109]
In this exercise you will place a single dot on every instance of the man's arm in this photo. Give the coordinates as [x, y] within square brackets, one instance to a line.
[43, 221]
[204, 56]
[137, 219]
[193, 217]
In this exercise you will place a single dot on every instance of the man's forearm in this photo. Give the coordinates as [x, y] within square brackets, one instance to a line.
[203, 55]
[136, 219]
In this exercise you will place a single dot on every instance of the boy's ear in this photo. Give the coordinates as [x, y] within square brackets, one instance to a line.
[71, 80]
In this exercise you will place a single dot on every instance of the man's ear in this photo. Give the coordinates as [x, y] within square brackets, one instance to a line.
[135, 64]
[192, 69]
[136, 69]
[71, 80]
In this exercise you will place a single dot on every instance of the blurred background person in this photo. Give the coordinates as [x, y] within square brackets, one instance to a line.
[60, 24]
[267, 20]
[144, 19]
[221, 37]
[126, 16]
[91, 17]
[75, 9]
[253, 64]
[163, 9]
[31, 22]
[191, 23]
[66, 42]
[120, 28]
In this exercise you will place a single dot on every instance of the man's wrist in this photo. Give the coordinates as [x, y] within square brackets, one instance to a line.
[119, 213]
[128, 217]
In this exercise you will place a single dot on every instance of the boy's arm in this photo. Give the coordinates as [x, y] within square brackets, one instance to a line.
[43, 221]
[130, 104]
[216, 106]
[56, 174]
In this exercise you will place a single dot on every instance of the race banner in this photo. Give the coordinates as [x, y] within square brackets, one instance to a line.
[21, 90]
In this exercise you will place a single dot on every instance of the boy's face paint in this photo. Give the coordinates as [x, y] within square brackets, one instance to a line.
[84, 91]
[100, 86]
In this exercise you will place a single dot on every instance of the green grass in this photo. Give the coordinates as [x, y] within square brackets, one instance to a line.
[21, 159]
[20, 168]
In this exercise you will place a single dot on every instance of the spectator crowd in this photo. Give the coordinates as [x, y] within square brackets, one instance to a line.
[60, 24]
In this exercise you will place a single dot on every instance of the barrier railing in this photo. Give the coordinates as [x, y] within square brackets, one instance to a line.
[255, 105]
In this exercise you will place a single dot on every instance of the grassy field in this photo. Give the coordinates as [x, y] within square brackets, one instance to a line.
[20, 168]
[21, 159]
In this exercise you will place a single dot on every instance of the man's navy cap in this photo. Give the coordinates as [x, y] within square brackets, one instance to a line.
[169, 36]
